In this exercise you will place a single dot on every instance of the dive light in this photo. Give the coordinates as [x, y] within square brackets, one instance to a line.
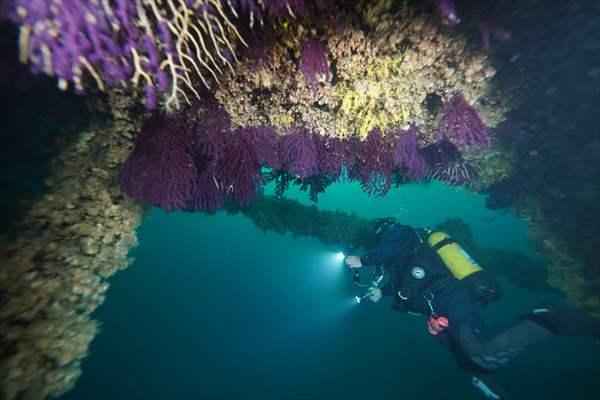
[378, 274]
[377, 278]
[359, 299]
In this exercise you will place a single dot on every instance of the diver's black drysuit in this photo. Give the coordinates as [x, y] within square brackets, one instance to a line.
[421, 283]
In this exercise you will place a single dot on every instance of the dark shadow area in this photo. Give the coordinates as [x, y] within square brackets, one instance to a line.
[36, 121]
[549, 67]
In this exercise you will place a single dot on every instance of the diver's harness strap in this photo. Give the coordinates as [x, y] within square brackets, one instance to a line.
[442, 243]
[427, 292]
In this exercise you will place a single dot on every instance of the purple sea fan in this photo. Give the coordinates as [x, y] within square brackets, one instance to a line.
[447, 11]
[333, 154]
[67, 38]
[160, 171]
[210, 147]
[461, 125]
[211, 133]
[448, 165]
[251, 7]
[406, 154]
[265, 145]
[239, 169]
[298, 7]
[279, 8]
[313, 61]
[373, 164]
[260, 41]
[211, 128]
[208, 195]
[299, 154]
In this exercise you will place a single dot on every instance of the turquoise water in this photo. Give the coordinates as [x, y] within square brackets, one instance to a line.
[427, 204]
[212, 308]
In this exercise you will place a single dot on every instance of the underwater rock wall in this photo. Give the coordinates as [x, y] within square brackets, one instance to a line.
[568, 272]
[553, 75]
[364, 65]
[54, 274]
[381, 90]
[351, 70]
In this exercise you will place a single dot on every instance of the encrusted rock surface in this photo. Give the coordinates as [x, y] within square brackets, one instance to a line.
[54, 275]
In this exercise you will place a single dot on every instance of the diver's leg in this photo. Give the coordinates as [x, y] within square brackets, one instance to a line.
[467, 330]
[480, 378]
[543, 322]
[456, 305]
[463, 361]
[467, 335]
[490, 353]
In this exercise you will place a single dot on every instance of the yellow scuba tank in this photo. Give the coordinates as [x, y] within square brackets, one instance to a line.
[458, 261]
[481, 284]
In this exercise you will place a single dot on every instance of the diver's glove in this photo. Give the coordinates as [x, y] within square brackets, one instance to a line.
[374, 294]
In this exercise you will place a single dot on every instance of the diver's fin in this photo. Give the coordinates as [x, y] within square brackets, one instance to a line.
[564, 320]
[489, 387]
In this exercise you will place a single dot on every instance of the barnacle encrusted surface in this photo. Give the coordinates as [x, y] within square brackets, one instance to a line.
[72, 239]
[387, 68]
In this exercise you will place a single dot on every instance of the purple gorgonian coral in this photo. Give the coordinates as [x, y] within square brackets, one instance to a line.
[299, 154]
[448, 165]
[160, 170]
[313, 61]
[461, 124]
[372, 164]
[406, 155]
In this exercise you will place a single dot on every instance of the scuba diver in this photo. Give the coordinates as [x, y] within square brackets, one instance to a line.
[430, 274]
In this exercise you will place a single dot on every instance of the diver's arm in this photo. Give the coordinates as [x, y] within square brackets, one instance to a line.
[394, 242]
[384, 250]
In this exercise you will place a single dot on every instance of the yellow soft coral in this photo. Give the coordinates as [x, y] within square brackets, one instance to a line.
[380, 98]
[282, 119]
